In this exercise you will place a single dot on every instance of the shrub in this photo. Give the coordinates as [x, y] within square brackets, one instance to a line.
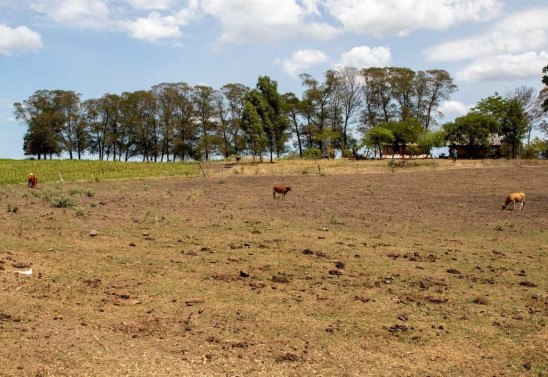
[62, 202]
[347, 153]
[312, 153]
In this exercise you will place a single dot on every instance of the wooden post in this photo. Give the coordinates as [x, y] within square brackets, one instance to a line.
[202, 169]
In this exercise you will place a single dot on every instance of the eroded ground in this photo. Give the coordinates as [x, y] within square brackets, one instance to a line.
[413, 273]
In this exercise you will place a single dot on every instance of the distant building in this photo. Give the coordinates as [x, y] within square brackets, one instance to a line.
[491, 151]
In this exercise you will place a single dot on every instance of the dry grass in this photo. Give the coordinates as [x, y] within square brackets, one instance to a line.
[420, 274]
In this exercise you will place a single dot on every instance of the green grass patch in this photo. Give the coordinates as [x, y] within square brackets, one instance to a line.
[16, 171]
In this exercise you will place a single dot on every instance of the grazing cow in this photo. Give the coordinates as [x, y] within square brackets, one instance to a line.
[32, 180]
[516, 197]
[280, 189]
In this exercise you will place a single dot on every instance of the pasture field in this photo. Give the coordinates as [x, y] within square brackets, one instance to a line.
[361, 271]
[15, 171]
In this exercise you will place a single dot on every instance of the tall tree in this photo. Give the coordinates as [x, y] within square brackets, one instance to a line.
[235, 97]
[531, 104]
[273, 117]
[377, 97]
[293, 109]
[137, 111]
[514, 125]
[67, 103]
[185, 128]
[44, 124]
[204, 108]
[350, 94]
[431, 88]
[167, 97]
[252, 125]
[316, 106]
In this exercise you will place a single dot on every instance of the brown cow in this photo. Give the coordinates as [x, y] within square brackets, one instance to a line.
[32, 180]
[516, 197]
[280, 189]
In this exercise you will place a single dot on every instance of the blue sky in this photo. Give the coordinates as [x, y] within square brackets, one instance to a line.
[110, 46]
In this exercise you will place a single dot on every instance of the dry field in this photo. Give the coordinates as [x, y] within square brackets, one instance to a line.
[411, 273]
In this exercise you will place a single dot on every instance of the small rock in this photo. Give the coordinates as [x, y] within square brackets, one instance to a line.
[340, 265]
[244, 274]
[335, 272]
[93, 233]
[528, 284]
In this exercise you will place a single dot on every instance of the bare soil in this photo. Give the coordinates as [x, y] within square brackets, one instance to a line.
[412, 273]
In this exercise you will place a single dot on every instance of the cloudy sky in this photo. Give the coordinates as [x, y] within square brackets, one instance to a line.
[99, 46]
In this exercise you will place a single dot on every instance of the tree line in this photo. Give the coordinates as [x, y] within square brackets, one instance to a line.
[405, 124]
[176, 121]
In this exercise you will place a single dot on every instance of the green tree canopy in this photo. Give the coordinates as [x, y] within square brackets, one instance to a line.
[472, 130]
[377, 137]
[514, 125]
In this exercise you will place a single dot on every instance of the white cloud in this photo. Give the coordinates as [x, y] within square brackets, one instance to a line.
[517, 33]
[302, 60]
[454, 108]
[505, 67]
[266, 21]
[19, 39]
[93, 14]
[364, 57]
[150, 4]
[154, 27]
[401, 17]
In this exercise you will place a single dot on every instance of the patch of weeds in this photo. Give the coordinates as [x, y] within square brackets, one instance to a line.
[393, 163]
[334, 220]
[305, 171]
[148, 218]
[239, 170]
[502, 225]
[80, 211]
[62, 202]
[221, 181]
[89, 194]
[194, 194]
[12, 209]
[322, 174]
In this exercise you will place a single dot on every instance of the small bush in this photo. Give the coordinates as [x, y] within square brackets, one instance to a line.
[312, 153]
[194, 194]
[347, 153]
[334, 220]
[80, 211]
[62, 202]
